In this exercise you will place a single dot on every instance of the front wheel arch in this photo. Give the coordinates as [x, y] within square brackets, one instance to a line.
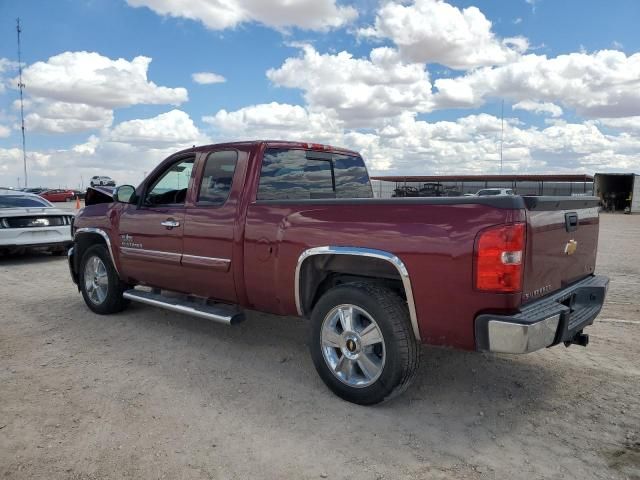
[85, 238]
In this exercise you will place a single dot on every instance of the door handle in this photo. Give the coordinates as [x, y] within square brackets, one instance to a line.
[170, 223]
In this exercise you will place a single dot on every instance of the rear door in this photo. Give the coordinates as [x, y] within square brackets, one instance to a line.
[562, 240]
[211, 224]
[151, 232]
[288, 175]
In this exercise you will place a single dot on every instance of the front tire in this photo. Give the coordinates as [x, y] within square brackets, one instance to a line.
[99, 282]
[362, 343]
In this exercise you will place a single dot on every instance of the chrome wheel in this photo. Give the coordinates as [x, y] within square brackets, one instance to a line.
[96, 280]
[352, 345]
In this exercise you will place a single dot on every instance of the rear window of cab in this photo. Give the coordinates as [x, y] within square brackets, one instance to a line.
[290, 174]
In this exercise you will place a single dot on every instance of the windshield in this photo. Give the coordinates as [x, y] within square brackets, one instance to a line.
[14, 201]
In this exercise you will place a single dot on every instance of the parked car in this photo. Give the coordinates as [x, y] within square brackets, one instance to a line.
[58, 195]
[99, 181]
[79, 194]
[36, 190]
[27, 220]
[494, 192]
[293, 229]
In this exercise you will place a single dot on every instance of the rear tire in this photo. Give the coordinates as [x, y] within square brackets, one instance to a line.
[99, 282]
[376, 356]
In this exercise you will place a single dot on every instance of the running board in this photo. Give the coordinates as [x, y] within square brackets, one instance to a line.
[220, 313]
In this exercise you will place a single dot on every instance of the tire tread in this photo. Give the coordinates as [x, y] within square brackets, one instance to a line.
[114, 302]
[396, 316]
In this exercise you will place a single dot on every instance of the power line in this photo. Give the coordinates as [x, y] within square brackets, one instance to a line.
[21, 86]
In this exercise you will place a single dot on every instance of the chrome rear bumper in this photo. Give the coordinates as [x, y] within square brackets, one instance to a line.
[559, 317]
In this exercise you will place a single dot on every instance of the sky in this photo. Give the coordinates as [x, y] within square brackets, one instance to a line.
[112, 87]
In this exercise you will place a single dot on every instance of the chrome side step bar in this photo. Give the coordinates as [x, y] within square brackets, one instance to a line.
[220, 313]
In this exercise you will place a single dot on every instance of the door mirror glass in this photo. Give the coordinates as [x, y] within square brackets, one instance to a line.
[124, 193]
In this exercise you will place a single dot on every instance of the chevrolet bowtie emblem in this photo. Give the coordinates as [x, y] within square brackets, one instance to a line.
[571, 247]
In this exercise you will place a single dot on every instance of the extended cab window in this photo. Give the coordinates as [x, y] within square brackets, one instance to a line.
[171, 186]
[304, 175]
[217, 177]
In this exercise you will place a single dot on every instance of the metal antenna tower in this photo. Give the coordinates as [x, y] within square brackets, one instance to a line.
[501, 134]
[21, 86]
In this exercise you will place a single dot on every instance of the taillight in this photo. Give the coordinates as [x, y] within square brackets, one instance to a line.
[499, 254]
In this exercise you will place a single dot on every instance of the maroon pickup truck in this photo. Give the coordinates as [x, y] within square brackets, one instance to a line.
[293, 229]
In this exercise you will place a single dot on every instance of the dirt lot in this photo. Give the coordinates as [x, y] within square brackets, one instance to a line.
[152, 394]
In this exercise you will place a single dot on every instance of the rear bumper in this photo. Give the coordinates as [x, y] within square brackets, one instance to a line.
[560, 317]
[33, 237]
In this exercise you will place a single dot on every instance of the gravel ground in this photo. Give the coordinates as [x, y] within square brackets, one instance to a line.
[152, 394]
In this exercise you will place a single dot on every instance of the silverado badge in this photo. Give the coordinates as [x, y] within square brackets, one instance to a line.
[128, 242]
[571, 247]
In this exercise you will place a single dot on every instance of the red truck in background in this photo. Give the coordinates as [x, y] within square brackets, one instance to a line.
[293, 229]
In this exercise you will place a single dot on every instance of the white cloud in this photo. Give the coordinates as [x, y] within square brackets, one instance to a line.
[11, 166]
[539, 107]
[279, 14]
[471, 145]
[6, 65]
[174, 128]
[77, 91]
[92, 79]
[125, 153]
[359, 91]
[402, 145]
[627, 124]
[468, 145]
[207, 78]
[276, 120]
[4, 131]
[433, 31]
[602, 84]
[62, 117]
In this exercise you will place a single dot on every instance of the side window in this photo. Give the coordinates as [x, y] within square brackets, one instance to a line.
[352, 178]
[304, 175]
[217, 177]
[171, 186]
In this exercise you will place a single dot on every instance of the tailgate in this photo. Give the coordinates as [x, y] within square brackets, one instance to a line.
[562, 240]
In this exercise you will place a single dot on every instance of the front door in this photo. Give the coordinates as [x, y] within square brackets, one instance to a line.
[151, 232]
[210, 225]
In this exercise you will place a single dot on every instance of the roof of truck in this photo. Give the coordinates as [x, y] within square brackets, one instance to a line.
[275, 144]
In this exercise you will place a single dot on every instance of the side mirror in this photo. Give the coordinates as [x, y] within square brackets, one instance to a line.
[124, 193]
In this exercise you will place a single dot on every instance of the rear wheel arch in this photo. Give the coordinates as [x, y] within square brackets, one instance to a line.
[321, 268]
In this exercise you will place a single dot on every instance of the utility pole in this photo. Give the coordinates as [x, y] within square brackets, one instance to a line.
[21, 86]
[501, 133]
